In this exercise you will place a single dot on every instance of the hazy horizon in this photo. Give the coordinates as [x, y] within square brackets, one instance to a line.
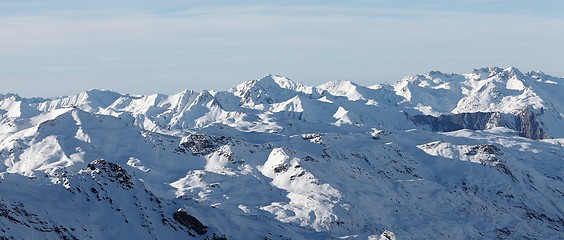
[54, 48]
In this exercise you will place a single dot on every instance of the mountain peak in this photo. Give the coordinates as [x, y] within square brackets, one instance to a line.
[341, 82]
[12, 96]
[490, 70]
[99, 94]
[283, 82]
[344, 88]
[514, 72]
[438, 74]
[269, 89]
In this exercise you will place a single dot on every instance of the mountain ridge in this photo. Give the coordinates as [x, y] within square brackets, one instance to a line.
[273, 158]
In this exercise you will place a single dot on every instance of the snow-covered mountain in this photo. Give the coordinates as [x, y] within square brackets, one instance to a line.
[477, 155]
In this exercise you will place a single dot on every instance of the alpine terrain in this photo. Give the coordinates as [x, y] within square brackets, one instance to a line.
[433, 156]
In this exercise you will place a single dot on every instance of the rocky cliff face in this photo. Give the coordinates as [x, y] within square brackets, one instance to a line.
[528, 125]
[525, 123]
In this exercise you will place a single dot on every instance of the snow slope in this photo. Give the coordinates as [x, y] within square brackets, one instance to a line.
[448, 156]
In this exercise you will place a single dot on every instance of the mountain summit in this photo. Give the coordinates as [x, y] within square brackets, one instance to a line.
[478, 155]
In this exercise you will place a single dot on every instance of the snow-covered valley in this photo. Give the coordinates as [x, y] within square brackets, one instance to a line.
[433, 156]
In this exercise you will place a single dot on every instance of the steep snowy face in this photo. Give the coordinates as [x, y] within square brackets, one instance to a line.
[348, 89]
[507, 91]
[485, 90]
[268, 90]
[276, 159]
[13, 108]
[532, 98]
[203, 110]
[92, 100]
[101, 200]
[433, 93]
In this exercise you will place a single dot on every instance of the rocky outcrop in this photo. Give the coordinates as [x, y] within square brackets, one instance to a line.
[525, 123]
[187, 220]
[16, 214]
[111, 171]
[447, 123]
[201, 144]
[101, 196]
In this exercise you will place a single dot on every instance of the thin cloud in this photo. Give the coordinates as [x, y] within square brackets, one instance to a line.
[332, 41]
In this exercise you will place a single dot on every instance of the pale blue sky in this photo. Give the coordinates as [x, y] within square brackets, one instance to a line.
[52, 48]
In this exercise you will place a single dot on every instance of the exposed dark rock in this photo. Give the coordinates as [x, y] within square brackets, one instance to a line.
[281, 168]
[18, 214]
[202, 144]
[525, 123]
[447, 123]
[503, 232]
[310, 159]
[114, 172]
[189, 221]
[216, 237]
[487, 149]
[313, 137]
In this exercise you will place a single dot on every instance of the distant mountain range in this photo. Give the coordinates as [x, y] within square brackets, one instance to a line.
[433, 156]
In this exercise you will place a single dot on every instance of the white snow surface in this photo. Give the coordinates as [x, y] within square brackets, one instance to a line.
[485, 90]
[276, 159]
